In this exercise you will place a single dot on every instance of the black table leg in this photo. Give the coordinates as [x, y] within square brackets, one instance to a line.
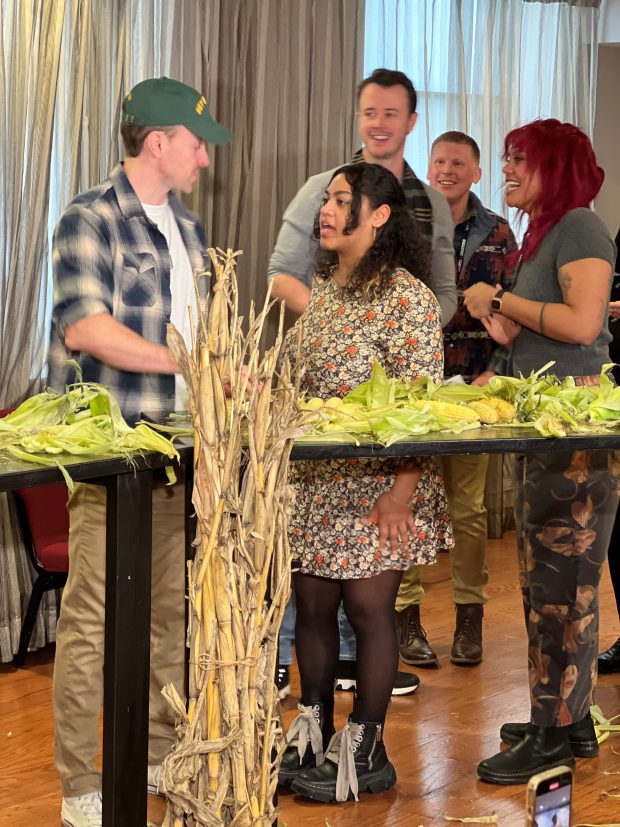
[127, 648]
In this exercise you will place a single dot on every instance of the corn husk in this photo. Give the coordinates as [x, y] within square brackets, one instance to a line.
[85, 422]
[223, 770]
[387, 410]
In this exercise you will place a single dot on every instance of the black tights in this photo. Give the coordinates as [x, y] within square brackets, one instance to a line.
[369, 605]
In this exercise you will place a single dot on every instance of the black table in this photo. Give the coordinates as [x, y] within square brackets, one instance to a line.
[495, 439]
[127, 615]
[128, 565]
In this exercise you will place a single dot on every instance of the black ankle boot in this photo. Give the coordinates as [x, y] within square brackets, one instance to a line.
[581, 735]
[541, 748]
[356, 761]
[310, 732]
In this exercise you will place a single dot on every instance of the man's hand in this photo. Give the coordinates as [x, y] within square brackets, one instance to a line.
[614, 310]
[481, 380]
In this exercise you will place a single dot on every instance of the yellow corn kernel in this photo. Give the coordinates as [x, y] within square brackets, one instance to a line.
[449, 410]
[505, 410]
[486, 412]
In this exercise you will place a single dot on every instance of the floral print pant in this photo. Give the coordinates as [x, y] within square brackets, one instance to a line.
[565, 507]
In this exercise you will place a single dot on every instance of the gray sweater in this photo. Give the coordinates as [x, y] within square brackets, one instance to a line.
[579, 234]
[296, 249]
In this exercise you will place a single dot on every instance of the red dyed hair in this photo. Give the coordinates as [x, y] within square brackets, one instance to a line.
[570, 177]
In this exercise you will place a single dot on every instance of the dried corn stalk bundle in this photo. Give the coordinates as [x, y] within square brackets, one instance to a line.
[223, 771]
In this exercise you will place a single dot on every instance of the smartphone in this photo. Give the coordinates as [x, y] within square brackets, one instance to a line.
[548, 798]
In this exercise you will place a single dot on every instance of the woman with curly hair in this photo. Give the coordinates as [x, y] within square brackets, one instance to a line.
[358, 524]
[565, 502]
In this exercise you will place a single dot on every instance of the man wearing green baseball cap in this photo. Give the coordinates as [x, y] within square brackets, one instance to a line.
[125, 254]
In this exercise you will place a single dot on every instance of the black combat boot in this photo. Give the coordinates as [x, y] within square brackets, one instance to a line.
[581, 735]
[308, 735]
[542, 748]
[356, 761]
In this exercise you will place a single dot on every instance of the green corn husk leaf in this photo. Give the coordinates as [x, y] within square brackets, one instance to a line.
[602, 724]
[382, 409]
[85, 421]
[38, 460]
[456, 393]
[333, 438]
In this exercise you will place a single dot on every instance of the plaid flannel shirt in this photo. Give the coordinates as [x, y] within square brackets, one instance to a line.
[468, 348]
[108, 257]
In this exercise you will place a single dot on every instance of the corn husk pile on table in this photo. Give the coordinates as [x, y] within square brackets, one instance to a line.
[83, 423]
[386, 411]
[223, 770]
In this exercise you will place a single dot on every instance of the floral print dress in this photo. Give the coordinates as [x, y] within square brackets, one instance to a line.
[342, 333]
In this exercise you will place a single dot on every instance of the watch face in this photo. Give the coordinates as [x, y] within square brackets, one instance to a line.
[496, 304]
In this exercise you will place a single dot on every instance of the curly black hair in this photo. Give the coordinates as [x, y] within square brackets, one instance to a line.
[398, 243]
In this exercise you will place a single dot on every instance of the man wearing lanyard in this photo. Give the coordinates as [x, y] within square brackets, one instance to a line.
[481, 241]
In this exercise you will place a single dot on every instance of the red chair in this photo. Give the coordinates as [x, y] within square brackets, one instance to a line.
[44, 522]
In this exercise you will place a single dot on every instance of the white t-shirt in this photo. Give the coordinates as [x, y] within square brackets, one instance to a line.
[181, 284]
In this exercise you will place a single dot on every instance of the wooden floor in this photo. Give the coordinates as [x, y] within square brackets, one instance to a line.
[435, 737]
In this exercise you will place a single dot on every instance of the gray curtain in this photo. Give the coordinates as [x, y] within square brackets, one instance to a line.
[30, 47]
[65, 66]
[282, 76]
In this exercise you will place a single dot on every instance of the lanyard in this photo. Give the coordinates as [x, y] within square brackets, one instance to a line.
[461, 255]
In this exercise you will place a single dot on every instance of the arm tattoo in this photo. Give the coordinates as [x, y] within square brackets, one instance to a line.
[565, 281]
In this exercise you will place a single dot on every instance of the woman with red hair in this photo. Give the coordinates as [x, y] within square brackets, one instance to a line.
[565, 502]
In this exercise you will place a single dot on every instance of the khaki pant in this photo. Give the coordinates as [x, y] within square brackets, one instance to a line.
[78, 670]
[464, 478]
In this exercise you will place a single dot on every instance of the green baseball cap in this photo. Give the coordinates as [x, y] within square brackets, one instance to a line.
[167, 102]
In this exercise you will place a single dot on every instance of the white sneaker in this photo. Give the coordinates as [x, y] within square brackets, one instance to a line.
[153, 777]
[81, 811]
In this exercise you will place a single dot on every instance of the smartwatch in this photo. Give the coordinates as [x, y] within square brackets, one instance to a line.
[496, 301]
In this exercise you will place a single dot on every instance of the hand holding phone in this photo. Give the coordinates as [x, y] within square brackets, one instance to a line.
[548, 798]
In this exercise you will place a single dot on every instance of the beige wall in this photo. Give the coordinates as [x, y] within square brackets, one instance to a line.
[607, 133]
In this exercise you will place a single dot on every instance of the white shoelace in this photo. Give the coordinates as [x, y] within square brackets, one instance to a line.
[306, 730]
[341, 751]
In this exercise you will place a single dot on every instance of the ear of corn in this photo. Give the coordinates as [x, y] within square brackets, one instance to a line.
[448, 410]
[487, 413]
[505, 410]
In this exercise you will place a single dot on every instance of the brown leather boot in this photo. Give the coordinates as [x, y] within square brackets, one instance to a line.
[467, 646]
[413, 646]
